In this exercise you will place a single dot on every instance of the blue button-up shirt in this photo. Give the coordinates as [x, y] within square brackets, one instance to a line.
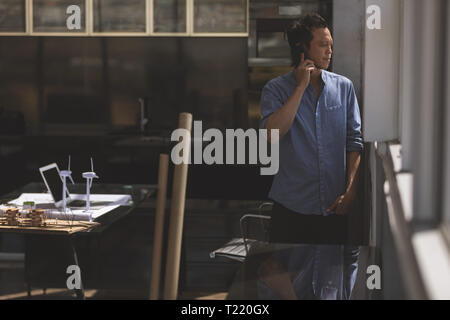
[312, 172]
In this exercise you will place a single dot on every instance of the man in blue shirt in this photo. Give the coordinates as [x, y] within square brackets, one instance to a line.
[318, 118]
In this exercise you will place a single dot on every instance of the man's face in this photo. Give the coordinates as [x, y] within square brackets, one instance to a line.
[321, 48]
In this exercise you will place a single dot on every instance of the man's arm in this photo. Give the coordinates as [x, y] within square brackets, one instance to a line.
[354, 146]
[353, 162]
[283, 118]
[343, 203]
[354, 143]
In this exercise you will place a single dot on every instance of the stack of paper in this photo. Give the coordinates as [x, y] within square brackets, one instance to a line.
[100, 204]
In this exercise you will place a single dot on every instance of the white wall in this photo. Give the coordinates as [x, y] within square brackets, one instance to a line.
[348, 32]
[381, 73]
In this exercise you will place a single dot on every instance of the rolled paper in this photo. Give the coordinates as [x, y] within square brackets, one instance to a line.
[177, 214]
[159, 225]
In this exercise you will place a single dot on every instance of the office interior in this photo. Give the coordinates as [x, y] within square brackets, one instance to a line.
[114, 90]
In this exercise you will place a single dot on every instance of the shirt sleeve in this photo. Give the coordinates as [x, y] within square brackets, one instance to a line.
[270, 102]
[354, 136]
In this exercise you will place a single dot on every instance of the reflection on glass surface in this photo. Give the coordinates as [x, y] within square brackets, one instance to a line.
[107, 75]
[72, 82]
[273, 45]
[12, 16]
[119, 16]
[169, 16]
[220, 16]
[51, 15]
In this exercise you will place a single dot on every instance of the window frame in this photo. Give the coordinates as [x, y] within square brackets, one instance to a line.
[89, 25]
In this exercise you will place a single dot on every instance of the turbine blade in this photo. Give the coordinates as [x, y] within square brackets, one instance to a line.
[69, 164]
[90, 185]
[92, 165]
[70, 177]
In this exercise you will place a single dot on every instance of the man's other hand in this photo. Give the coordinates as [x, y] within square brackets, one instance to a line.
[343, 204]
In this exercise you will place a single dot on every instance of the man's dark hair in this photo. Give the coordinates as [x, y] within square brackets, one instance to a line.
[300, 34]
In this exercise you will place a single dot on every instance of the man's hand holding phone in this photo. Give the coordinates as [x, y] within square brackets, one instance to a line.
[303, 71]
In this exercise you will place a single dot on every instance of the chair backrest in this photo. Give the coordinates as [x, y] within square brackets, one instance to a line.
[247, 234]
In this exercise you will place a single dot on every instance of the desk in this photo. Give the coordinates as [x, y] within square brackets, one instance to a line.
[37, 240]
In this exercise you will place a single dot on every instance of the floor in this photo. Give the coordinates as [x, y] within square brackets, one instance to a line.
[13, 287]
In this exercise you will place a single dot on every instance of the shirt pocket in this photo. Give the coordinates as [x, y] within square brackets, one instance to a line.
[334, 127]
[333, 107]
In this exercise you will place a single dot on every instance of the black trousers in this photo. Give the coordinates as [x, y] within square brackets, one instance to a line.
[287, 226]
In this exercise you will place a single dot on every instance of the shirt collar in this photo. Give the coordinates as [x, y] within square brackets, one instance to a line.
[323, 74]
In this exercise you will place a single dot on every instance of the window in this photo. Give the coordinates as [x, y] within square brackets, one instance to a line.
[169, 16]
[120, 16]
[220, 16]
[12, 16]
[50, 16]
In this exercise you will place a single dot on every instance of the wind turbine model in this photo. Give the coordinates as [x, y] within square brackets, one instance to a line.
[89, 176]
[64, 175]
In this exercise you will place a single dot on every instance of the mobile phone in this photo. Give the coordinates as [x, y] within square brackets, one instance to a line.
[297, 54]
[298, 50]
